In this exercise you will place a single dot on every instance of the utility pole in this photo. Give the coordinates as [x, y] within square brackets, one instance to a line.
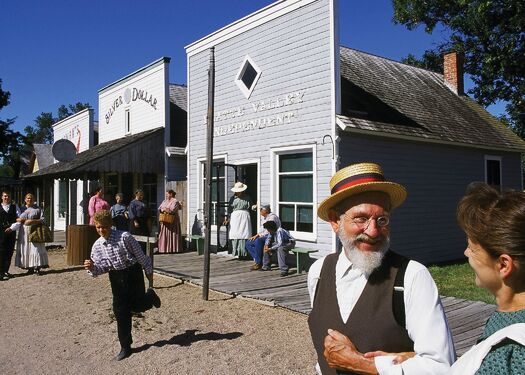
[209, 174]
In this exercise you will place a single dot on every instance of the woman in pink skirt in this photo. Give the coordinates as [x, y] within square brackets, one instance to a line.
[170, 239]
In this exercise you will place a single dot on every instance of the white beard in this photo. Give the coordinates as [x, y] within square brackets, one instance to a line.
[366, 261]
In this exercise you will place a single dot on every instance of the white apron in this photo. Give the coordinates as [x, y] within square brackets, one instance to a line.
[240, 225]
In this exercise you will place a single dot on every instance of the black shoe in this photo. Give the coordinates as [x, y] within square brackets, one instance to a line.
[8, 275]
[265, 269]
[3, 277]
[124, 353]
[30, 271]
[284, 273]
[154, 297]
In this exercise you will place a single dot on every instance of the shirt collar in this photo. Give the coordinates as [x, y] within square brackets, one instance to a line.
[344, 267]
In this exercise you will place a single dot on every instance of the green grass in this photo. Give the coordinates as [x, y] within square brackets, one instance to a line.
[458, 280]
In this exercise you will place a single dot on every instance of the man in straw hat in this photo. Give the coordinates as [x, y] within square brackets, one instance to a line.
[358, 306]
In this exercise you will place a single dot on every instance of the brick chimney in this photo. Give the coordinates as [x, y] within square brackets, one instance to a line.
[453, 71]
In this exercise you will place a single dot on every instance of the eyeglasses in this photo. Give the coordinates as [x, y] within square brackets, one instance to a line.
[363, 222]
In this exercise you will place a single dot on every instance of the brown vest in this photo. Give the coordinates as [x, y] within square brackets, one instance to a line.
[371, 325]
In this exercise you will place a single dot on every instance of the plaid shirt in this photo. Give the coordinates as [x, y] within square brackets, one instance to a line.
[118, 252]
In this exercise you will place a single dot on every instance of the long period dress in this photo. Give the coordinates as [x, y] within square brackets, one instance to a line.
[240, 225]
[170, 239]
[30, 255]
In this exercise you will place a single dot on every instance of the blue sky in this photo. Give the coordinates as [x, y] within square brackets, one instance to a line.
[61, 52]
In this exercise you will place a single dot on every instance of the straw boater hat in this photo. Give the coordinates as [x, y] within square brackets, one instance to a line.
[360, 178]
[238, 187]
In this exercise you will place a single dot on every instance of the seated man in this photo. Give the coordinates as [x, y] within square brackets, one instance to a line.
[255, 244]
[280, 241]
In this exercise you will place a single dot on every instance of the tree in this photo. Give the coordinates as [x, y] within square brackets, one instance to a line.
[42, 130]
[490, 33]
[10, 140]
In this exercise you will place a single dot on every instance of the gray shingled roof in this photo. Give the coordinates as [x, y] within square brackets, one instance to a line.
[142, 152]
[43, 155]
[385, 96]
[178, 96]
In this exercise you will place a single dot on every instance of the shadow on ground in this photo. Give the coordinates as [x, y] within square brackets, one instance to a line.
[189, 337]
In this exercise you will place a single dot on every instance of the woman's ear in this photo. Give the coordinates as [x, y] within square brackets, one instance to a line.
[506, 265]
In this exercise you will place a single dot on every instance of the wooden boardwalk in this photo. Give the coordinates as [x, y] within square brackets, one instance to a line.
[231, 276]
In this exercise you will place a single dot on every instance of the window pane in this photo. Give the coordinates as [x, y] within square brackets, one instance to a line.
[220, 168]
[249, 75]
[295, 163]
[305, 219]
[296, 189]
[493, 175]
[62, 198]
[286, 214]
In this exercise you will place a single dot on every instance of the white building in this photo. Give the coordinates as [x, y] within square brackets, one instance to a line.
[141, 140]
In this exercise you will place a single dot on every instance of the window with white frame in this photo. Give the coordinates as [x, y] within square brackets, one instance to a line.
[247, 76]
[493, 171]
[127, 121]
[62, 198]
[218, 192]
[295, 190]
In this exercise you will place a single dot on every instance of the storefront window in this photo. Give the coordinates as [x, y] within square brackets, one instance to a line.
[62, 198]
[149, 186]
[110, 187]
[296, 191]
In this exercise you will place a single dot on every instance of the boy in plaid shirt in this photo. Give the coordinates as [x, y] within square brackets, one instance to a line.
[118, 253]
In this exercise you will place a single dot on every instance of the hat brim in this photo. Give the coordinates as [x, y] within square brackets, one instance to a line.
[238, 190]
[396, 192]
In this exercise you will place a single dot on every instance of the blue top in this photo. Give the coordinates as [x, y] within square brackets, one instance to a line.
[117, 210]
[280, 238]
[508, 357]
[137, 209]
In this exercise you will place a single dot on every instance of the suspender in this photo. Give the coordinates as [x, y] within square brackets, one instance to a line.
[398, 298]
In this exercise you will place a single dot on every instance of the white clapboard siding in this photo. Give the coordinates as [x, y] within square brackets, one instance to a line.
[293, 52]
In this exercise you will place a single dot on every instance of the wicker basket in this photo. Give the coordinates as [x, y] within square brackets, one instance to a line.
[166, 218]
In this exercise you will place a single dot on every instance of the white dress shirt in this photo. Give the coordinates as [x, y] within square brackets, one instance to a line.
[426, 323]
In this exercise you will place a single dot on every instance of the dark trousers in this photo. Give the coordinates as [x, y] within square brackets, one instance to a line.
[7, 247]
[141, 230]
[129, 295]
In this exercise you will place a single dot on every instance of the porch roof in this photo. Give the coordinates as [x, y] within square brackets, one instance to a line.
[141, 153]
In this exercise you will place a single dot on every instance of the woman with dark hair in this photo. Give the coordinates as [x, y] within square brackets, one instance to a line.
[494, 223]
[495, 226]
[138, 214]
[30, 256]
[170, 239]
[96, 203]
